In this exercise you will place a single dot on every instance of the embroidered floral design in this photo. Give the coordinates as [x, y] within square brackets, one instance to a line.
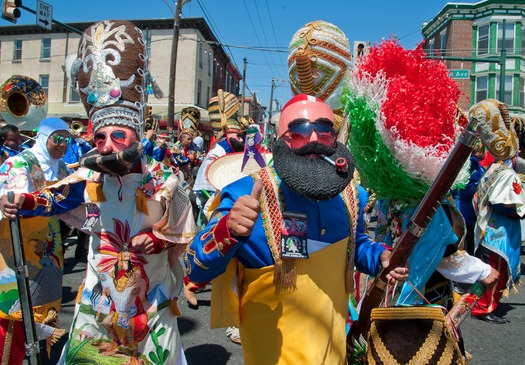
[516, 186]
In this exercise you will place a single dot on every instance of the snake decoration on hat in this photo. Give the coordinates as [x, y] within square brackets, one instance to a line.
[403, 120]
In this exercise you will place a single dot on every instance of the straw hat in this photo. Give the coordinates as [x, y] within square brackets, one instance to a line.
[227, 169]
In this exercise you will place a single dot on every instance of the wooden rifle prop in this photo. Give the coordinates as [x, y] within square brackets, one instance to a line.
[32, 349]
[417, 226]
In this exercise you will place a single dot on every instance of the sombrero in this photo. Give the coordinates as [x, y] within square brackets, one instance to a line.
[227, 169]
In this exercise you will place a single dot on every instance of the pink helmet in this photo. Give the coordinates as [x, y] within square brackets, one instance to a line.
[303, 106]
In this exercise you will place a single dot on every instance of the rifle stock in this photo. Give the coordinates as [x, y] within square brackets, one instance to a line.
[418, 223]
[31, 345]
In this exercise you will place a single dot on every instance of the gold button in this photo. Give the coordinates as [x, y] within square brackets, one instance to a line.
[227, 241]
[323, 231]
[220, 246]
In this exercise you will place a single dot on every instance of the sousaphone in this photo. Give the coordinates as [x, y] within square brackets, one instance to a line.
[23, 102]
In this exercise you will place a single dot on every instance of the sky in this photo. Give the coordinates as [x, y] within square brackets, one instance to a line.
[261, 30]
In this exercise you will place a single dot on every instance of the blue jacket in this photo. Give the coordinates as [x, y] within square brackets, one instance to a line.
[327, 222]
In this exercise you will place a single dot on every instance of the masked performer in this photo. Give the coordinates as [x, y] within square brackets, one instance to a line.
[29, 171]
[132, 205]
[399, 157]
[290, 235]
[499, 204]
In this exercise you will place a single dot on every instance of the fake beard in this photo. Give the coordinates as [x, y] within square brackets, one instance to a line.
[237, 146]
[310, 177]
[119, 163]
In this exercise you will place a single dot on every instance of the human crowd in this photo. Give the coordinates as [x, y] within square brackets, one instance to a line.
[280, 230]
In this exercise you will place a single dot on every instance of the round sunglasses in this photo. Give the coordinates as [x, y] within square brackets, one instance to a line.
[116, 136]
[58, 139]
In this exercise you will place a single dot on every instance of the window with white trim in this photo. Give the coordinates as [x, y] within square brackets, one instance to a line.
[481, 88]
[483, 39]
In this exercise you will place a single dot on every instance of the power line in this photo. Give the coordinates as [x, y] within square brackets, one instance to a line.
[264, 34]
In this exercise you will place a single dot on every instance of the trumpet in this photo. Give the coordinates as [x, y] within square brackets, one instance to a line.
[76, 127]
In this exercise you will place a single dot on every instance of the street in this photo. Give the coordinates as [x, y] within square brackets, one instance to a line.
[488, 343]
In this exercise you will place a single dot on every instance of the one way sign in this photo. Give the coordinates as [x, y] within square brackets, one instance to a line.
[44, 14]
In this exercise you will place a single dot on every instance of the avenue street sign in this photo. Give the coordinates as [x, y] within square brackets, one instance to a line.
[44, 15]
[459, 74]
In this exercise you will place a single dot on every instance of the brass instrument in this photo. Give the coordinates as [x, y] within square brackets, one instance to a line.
[23, 102]
[76, 128]
[152, 123]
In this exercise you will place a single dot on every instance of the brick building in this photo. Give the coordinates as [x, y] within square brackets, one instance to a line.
[472, 34]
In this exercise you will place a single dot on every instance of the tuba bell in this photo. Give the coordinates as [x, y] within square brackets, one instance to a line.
[23, 102]
[76, 127]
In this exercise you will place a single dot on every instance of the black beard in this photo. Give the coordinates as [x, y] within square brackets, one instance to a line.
[237, 146]
[310, 177]
[119, 163]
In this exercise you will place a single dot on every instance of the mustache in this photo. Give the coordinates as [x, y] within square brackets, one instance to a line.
[314, 147]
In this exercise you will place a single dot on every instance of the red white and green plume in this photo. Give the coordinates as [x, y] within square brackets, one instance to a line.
[402, 114]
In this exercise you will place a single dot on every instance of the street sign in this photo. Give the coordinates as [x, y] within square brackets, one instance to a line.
[459, 74]
[44, 14]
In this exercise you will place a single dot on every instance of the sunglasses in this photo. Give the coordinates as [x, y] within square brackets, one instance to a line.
[117, 136]
[58, 139]
[301, 132]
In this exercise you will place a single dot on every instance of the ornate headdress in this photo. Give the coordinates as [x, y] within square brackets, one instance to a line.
[318, 64]
[223, 112]
[496, 129]
[110, 70]
[398, 138]
[189, 120]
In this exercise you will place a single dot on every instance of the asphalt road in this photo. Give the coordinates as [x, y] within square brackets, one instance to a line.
[490, 344]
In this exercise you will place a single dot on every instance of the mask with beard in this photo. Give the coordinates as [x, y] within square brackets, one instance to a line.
[119, 163]
[310, 177]
[237, 146]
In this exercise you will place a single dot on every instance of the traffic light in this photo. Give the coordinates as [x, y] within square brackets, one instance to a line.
[11, 10]
[360, 49]
[147, 112]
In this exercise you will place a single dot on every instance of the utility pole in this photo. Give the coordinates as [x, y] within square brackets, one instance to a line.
[269, 121]
[173, 65]
[243, 85]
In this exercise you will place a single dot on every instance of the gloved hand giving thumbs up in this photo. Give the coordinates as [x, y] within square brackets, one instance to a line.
[245, 212]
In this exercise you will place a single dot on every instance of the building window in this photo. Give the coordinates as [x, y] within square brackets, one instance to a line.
[481, 88]
[17, 50]
[200, 55]
[208, 93]
[431, 47]
[44, 82]
[45, 49]
[73, 94]
[509, 37]
[443, 44]
[210, 62]
[508, 89]
[199, 91]
[483, 39]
